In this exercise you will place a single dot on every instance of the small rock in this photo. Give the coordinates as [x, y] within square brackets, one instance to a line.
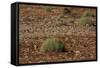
[29, 61]
[77, 52]
[66, 39]
[26, 56]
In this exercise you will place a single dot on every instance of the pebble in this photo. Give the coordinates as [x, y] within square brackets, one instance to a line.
[26, 56]
[77, 52]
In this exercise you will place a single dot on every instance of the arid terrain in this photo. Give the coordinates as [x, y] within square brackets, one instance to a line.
[75, 27]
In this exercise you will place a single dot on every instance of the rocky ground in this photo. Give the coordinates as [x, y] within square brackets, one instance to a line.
[38, 23]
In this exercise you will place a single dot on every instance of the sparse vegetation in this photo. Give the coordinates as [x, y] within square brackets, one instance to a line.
[87, 18]
[52, 45]
[66, 11]
[54, 33]
[85, 21]
[88, 13]
[48, 9]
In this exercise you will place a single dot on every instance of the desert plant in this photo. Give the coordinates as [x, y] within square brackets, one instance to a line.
[51, 45]
[86, 21]
[88, 13]
[66, 11]
[48, 9]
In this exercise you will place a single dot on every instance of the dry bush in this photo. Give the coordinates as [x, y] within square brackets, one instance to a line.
[88, 13]
[51, 45]
[86, 21]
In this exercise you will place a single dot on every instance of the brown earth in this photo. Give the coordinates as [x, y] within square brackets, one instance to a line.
[38, 23]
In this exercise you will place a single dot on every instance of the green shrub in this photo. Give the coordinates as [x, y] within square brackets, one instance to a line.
[51, 45]
[86, 21]
[88, 13]
[48, 9]
[66, 11]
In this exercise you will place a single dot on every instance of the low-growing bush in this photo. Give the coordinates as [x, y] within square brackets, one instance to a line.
[88, 13]
[51, 45]
[86, 21]
[48, 9]
[66, 11]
